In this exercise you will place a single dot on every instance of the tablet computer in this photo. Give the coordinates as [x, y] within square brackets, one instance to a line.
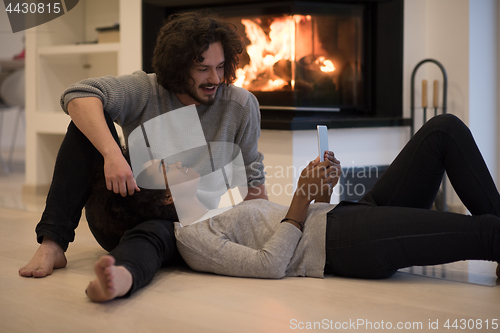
[322, 141]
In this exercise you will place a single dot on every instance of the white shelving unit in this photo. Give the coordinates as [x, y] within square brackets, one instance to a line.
[60, 53]
[78, 49]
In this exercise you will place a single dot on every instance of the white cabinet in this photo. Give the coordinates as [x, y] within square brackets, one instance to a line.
[61, 52]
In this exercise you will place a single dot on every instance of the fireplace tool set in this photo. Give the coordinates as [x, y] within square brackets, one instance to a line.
[440, 202]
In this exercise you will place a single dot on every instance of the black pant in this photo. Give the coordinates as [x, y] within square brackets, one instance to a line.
[70, 191]
[392, 226]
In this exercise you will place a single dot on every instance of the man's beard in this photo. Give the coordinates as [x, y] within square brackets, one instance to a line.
[193, 93]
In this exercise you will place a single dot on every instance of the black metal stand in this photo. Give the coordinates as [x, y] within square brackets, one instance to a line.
[440, 201]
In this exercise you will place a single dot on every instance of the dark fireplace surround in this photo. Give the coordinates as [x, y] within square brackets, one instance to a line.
[382, 58]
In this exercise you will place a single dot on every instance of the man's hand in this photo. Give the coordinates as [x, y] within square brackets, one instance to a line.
[88, 115]
[119, 175]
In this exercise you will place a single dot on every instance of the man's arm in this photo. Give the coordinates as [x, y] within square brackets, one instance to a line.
[88, 115]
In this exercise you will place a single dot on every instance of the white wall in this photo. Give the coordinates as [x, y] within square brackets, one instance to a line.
[498, 94]
[447, 40]
[483, 84]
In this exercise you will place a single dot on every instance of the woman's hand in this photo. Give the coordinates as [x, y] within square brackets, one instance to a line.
[317, 180]
[330, 156]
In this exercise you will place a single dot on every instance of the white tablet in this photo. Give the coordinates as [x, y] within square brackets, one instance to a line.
[322, 141]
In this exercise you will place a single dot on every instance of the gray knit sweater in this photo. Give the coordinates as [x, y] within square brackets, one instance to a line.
[133, 99]
[249, 241]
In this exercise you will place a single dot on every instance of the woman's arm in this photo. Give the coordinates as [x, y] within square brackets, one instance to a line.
[206, 249]
[315, 183]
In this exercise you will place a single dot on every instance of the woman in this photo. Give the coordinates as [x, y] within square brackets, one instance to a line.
[392, 227]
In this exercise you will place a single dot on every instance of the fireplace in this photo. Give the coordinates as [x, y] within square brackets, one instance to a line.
[304, 57]
[334, 62]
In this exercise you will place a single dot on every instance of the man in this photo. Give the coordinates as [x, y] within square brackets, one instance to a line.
[195, 61]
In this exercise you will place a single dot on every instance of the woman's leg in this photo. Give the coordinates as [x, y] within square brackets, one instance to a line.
[444, 143]
[398, 230]
[374, 242]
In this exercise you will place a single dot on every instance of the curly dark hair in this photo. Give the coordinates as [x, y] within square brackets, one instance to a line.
[114, 214]
[182, 40]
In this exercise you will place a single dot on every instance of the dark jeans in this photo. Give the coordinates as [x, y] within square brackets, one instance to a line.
[392, 227]
[69, 193]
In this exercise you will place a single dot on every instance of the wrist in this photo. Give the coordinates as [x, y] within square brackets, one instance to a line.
[298, 224]
[300, 199]
[111, 151]
[298, 210]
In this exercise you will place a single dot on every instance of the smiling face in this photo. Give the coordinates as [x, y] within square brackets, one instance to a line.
[178, 174]
[181, 182]
[206, 76]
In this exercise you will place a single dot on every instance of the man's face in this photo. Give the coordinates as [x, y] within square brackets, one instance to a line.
[207, 76]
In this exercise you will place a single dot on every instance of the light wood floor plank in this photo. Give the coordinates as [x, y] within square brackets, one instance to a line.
[179, 300]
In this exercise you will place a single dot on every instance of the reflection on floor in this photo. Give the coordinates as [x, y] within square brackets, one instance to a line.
[471, 271]
[11, 187]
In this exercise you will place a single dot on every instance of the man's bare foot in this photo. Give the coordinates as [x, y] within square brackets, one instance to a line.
[47, 257]
[111, 282]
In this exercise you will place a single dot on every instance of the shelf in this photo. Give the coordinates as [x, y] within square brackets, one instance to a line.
[55, 122]
[78, 49]
[55, 61]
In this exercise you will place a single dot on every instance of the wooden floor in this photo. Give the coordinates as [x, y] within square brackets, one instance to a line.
[179, 300]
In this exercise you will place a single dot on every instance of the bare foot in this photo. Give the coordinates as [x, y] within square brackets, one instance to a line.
[111, 282]
[47, 257]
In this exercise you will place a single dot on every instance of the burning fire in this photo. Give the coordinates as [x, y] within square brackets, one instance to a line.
[325, 65]
[269, 55]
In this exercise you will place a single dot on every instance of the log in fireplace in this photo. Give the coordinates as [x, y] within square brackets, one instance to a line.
[338, 62]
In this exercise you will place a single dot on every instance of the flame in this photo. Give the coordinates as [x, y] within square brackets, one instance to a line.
[325, 65]
[265, 51]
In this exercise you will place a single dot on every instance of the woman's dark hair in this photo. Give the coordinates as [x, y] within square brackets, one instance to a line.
[182, 40]
[114, 214]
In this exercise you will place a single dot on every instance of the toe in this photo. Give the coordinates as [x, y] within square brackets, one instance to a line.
[41, 272]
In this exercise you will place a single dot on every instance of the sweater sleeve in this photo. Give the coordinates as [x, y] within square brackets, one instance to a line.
[248, 141]
[123, 97]
[206, 249]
